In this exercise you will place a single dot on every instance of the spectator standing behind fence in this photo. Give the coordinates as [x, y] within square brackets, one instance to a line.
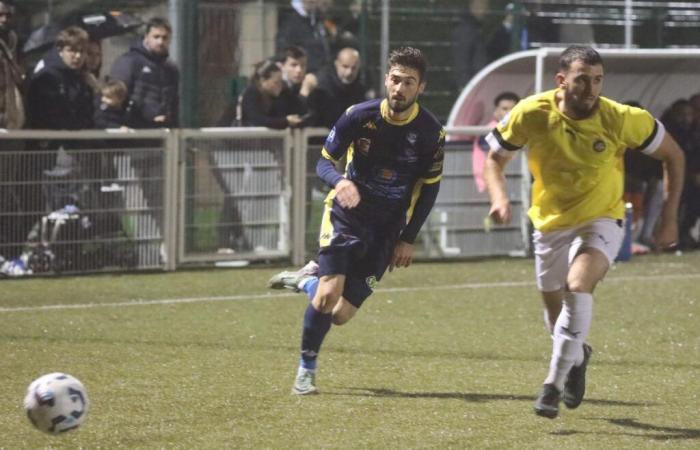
[297, 83]
[109, 113]
[59, 95]
[257, 101]
[338, 88]
[468, 48]
[302, 26]
[151, 79]
[11, 104]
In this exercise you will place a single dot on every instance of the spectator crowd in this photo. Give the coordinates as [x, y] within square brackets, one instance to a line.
[314, 75]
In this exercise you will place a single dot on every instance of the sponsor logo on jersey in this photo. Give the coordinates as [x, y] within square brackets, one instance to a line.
[599, 146]
[330, 137]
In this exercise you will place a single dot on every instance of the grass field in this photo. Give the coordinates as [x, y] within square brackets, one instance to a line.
[444, 355]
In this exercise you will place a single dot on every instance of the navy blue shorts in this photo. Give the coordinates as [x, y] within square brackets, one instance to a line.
[355, 247]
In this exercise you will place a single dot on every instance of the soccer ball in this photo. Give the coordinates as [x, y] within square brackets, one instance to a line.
[56, 403]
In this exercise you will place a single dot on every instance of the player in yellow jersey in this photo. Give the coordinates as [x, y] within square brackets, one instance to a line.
[576, 140]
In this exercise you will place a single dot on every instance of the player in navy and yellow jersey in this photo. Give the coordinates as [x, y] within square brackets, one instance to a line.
[576, 140]
[372, 215]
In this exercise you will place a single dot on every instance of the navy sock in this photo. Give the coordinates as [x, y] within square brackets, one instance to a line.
[310, 288]
[316, 325]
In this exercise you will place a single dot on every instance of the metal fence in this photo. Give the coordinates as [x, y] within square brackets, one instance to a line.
[83, 202]
[236, 194]
[74, 202]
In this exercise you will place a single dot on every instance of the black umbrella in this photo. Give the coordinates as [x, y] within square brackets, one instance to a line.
[106, 25]
[41, 38]
[99, 26]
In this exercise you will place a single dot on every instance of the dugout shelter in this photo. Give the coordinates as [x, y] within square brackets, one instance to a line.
[653, 77]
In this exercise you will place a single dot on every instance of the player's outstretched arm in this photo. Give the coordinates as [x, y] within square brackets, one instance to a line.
[403, 255]
[494, 175]
[666, 234]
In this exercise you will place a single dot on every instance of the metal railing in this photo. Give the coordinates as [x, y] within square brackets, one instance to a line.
[90, 201]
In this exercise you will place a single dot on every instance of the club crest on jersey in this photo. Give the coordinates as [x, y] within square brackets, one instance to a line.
[362, 145]
[370, 125]
[411, 137]
[599, 145]
[371, 282]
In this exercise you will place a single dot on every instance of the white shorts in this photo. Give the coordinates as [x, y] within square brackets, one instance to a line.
[556, 250]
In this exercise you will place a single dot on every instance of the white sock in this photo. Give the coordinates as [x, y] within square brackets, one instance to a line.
[547, 323]
[570, 332]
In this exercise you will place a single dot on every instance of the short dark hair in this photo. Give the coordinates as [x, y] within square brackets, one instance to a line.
[506, 96]
[73, 37]
[582, 53]
[293, 52]
[409, 57]
[158, 22]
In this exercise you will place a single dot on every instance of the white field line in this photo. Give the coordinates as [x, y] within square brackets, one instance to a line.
[272, 295]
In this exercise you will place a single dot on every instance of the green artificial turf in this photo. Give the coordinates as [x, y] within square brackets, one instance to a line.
[443, 355]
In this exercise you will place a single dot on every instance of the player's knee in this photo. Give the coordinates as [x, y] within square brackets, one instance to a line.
[325, 301]
[340, 319]
[578, 285]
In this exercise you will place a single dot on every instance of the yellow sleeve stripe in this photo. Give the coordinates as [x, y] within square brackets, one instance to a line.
[327, 155]
[432, 180]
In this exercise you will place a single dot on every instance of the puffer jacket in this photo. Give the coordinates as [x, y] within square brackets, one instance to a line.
[152, 82]
[58, 98]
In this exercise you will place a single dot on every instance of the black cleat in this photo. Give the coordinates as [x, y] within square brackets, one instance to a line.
[575, 386]
[547, 403]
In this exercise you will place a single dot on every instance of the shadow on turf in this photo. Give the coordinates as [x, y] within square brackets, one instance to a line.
[664, 433]
[469, 396]
[657, 432]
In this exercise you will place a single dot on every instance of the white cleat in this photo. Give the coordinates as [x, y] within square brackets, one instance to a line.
[293, 279]
[305, 382]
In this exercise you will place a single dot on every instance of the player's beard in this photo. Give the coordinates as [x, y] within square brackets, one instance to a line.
[580, 108]
[400, 105]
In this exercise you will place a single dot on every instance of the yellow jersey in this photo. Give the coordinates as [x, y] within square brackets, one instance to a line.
[577, 165]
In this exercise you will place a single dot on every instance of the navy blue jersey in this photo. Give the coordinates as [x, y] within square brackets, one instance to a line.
[387, 160]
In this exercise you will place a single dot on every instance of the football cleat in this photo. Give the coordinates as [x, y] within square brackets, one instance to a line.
[575, 386]
[293, 279]
[305, 382]
[547, 403]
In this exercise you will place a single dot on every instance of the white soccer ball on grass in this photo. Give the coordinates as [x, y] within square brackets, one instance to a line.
[56, 403]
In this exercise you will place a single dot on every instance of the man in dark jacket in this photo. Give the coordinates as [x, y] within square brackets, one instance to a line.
[303, 26]
[59, 96]
[151, 79]
[468, 48]
[338, 88]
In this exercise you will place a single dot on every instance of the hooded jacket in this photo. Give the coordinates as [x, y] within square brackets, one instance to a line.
[152, 85]
[58, 98]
